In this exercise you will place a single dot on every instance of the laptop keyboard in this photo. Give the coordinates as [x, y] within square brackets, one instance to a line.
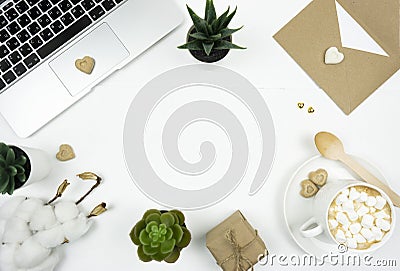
[30, 30]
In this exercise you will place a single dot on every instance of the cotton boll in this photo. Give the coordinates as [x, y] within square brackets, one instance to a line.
[26, 209]
[50, 238]
[17, 224]
[43, 218]
[6, 257]
[16, 231]
[74, 229]
[9, 267]
[7, 253]
[30, 254]
[66, 210]
[2, 226]
[10, 206]
[49, 264]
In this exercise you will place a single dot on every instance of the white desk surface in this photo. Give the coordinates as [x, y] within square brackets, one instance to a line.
[94, 128]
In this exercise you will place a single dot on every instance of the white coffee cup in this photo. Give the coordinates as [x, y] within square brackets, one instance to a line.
[321, 204]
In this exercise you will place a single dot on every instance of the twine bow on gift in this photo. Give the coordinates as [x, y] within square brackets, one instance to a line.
[240, 259]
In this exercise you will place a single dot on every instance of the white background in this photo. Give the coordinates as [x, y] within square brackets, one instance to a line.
[94, 128]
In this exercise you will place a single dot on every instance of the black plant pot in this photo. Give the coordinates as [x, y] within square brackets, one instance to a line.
[37, 166]
[18, 152]
[215, 55]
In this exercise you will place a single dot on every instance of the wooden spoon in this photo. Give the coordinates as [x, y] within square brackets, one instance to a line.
[332, 148]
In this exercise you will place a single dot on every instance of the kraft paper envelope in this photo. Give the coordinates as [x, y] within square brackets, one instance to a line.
[316, 28]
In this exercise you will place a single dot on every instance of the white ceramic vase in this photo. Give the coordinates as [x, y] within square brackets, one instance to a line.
[40, 164]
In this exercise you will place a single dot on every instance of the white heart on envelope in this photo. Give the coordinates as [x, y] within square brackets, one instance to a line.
[333, 56]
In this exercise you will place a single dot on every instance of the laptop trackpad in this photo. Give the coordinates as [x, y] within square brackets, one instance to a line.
[102, 45]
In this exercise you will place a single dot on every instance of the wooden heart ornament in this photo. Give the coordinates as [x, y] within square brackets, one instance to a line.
[318, 177]
[333, 56]
[85, 64]
[308, 189]
[65, 153]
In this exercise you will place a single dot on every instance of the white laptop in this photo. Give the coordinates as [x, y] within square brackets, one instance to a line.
[40, 41]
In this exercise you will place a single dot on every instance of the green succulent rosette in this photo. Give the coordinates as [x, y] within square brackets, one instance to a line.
[12, 169]
[212, 31]
[160, 235]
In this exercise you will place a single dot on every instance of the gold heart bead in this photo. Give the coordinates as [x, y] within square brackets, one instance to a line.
[65, 153]
[85, 64]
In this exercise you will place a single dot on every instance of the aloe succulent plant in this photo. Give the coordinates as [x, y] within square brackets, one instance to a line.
[160, 235]
[212, 32]
[12, 169]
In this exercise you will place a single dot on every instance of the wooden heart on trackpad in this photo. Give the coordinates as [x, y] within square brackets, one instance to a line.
[85, 64]
[98, 54]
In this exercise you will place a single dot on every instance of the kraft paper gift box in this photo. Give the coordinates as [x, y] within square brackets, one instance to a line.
[316, 28]
[235, 244]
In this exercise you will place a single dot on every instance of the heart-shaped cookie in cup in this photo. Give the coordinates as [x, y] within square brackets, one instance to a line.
[308, 189]
[353, 214]
[319, 177]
